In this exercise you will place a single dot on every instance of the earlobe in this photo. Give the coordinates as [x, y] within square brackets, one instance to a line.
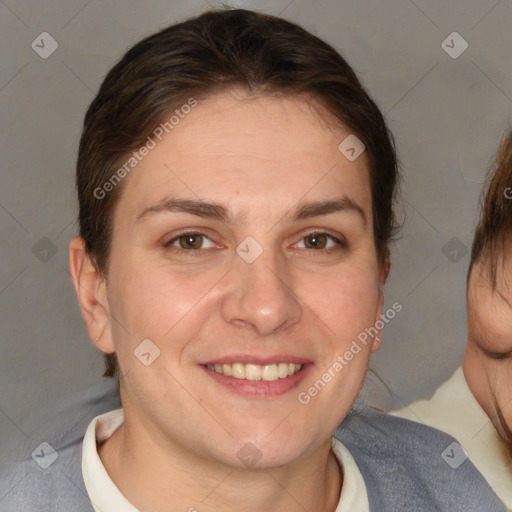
[90, 288]
[379, 323]
[377, 343]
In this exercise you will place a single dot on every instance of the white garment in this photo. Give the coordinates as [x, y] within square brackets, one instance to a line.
[453, 409]
[106, 497]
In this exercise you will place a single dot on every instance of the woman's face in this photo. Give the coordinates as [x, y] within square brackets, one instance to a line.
[488, 356]
[243, 240]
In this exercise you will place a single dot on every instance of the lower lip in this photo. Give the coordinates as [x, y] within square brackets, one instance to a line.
[260, 388]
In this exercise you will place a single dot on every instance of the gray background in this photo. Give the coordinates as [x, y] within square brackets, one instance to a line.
[447, 116]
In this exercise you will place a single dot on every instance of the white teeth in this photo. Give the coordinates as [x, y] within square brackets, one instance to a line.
[253, 372]
[268, 372]
[283, 370]
[238, 371]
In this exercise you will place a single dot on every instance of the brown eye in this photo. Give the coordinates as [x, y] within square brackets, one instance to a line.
[190, 241]
[322, 241]
[316, 241]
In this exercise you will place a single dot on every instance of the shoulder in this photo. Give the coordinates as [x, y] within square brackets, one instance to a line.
[50, 480]
[445, 406]
[45, 473]
[409, 466]
[453, 409]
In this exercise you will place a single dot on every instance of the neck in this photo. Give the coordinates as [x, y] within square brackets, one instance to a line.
[158, 476]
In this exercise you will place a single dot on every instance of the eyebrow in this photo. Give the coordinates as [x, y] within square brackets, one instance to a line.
[318, 208]
[217, 211]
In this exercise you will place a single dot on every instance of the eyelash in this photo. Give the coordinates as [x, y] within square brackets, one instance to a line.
[498, 356]
[196, 252]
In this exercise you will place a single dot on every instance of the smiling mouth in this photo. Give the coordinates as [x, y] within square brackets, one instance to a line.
[255, 372]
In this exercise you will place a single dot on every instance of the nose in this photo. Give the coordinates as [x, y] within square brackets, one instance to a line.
[261, 296]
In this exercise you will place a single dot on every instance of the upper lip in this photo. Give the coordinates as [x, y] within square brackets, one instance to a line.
[258, 359]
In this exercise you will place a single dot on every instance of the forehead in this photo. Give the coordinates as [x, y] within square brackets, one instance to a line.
[247, 149]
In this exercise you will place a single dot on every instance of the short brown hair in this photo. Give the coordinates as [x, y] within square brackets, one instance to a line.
[495, 223]
[204, 55]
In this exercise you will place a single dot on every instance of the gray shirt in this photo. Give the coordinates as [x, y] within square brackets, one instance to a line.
[406, 466]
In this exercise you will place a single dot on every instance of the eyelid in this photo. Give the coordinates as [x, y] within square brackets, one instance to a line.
[339, 240]
[189, 231]
[499, 356]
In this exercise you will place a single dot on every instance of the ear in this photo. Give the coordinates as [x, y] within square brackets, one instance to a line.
[91, 290]
[384, 268]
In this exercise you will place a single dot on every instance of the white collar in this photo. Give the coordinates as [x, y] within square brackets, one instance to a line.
[106, 497]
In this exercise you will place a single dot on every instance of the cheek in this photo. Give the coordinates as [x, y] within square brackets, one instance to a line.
[346, 301]
[491, 383]
[345, 307]
[476, 374]
[172, 307]
[151, 303]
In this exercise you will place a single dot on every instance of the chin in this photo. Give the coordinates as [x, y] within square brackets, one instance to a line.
[259, 453]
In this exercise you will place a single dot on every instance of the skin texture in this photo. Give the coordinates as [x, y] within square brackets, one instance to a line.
[488, 355]
[260, 157]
